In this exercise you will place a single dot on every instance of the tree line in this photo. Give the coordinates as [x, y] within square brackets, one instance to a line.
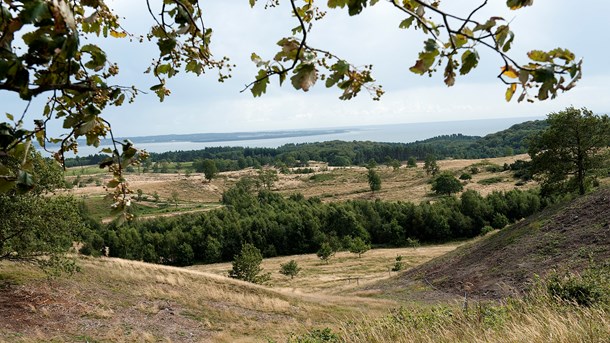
[513, 140]
[286, 226]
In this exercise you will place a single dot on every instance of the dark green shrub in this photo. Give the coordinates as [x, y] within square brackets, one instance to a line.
[465, 176]
[587, 289]
[486, 229]
[316, 336]
[491, 180]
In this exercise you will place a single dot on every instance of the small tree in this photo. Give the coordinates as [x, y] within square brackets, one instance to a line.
[247, 265]
[290, 269]
[411, 162]
[174, 199]
[374, 180]
[398, 264]
[446, 184]
[359, 246]
[267, 178]
[395, 164]
[207, 167]
[325, 252]
[430, 166]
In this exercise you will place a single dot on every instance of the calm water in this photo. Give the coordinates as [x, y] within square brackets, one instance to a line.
[396, 133]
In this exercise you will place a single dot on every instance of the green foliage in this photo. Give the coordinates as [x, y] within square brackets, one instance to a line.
[465, 176]
[246, 265]
[446, 184]
[374, 180]
[325, 252]
[281, 226]
[359, 246]
[486, 229]
[499, 221]
[207, 167]
[412, 243]
[411, 162]
[322, 177]
[35, 226]
[316, 336]
[430, 165]
[398, 264]
[267, 178]
[491, 180]
[290, 268]
[590, 288]
[573, 148]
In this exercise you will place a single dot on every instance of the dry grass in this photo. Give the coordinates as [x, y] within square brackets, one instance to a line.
[126, 301]
[406, 184]
[537, 321]
[344, 274]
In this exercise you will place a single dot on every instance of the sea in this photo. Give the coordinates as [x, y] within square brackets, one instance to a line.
[393, 133]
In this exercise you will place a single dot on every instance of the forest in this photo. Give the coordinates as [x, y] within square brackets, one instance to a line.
[288, 226]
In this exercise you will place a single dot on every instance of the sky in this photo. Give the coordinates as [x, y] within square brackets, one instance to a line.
[201, 104]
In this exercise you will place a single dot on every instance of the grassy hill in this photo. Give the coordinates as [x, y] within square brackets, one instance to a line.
[566, 236]
[115, 300]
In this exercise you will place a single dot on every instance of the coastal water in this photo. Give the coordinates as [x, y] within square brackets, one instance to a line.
[395, 133]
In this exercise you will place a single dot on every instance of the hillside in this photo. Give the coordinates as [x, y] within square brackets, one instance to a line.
[115, 300]
[564, 236]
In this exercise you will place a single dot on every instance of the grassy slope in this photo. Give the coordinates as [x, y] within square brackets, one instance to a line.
[564, 236]
[115, 300]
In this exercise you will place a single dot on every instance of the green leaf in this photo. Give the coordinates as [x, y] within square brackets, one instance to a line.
[405, 24]
[25, 179]
[260, 87]
[98, 57]
[10, 117]
[166, 45]
[516, 4]
[470, 60]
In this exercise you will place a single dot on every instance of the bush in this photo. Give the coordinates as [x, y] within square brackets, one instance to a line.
[486, 229]
[290, 269]
[588, 289]
[493, 168]
[465, 176]
[491, 180]
[398, 265]
[499, 221]
[316, 336]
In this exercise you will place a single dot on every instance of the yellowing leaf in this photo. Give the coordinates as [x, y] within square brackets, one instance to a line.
[510, 72]
[117, 34]
[510, 91]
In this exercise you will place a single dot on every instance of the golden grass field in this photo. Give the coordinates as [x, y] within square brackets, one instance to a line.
[114, 300]
[340, 184]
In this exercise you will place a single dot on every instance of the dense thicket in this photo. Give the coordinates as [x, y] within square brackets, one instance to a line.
[340, 153]
[295, 225]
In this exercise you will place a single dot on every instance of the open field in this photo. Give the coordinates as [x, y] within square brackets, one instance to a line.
[188, 193]
[344, 274]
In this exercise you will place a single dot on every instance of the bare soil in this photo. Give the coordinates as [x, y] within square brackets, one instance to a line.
[565, 236]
